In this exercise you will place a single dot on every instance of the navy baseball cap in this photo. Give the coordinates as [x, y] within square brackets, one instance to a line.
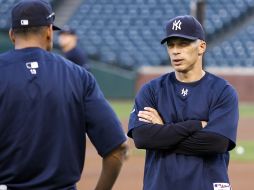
[67, 30]
[32, 13]
[185, 26]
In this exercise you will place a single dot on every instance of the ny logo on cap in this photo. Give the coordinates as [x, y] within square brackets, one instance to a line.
[176, 25]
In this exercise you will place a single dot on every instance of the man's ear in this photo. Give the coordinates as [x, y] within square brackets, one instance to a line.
[12, 36]
[50, 33]
[202, 47]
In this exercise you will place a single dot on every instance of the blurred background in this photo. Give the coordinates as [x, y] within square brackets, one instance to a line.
[121, 41]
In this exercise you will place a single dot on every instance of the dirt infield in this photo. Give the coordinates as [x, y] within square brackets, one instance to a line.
[241, 173]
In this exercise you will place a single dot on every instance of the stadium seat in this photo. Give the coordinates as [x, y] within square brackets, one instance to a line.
[128, 32]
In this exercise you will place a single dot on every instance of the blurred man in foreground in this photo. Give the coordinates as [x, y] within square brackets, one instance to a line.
[47, 106]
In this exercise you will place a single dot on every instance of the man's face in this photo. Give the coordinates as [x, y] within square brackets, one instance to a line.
[184, 53]
[65, 39]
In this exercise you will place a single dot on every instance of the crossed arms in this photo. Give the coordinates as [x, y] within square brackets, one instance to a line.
[185, 137]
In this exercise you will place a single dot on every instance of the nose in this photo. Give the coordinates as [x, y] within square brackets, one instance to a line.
[174, 50]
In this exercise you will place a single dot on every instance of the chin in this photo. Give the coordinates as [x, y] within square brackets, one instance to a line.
[182, 70]
[179, 68]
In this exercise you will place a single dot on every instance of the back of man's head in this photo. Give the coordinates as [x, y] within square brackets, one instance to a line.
[31, 18]
[32, 13]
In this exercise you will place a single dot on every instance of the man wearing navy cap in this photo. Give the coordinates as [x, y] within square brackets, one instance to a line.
[68, 41]
[47, 106]
[186, 120]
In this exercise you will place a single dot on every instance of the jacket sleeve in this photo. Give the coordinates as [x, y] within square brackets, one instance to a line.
[153, 136]
[203, 143]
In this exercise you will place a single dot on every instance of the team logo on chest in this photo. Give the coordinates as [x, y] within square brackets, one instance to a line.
[184, 92]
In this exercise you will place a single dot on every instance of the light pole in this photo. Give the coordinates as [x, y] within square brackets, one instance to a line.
[198, 10]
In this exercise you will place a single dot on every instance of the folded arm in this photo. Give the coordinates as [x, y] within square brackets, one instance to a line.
[154, 136]
[203, 143]
[184, 137]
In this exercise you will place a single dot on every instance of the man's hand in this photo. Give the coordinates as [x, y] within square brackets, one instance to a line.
[150, 115]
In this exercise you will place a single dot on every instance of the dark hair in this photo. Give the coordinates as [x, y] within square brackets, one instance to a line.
[29, 30]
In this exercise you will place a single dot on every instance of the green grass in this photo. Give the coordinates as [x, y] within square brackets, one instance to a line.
[246, 110]
[122, 108]
[247, 155]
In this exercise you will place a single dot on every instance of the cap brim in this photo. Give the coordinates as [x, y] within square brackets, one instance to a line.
[56, 28]
[178, 35]
[62, 31]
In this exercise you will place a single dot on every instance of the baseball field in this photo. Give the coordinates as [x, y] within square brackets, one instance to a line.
[241, 168]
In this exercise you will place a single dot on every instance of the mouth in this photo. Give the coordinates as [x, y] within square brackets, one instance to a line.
[177, 61]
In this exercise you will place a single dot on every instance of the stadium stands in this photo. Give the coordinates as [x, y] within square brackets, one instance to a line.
[5, 12]
[127, 33]
[235, 51]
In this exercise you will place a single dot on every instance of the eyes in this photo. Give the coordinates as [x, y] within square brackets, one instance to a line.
[182, 43]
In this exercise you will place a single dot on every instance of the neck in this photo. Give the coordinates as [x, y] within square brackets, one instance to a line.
[24, 43]
[192, 75]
